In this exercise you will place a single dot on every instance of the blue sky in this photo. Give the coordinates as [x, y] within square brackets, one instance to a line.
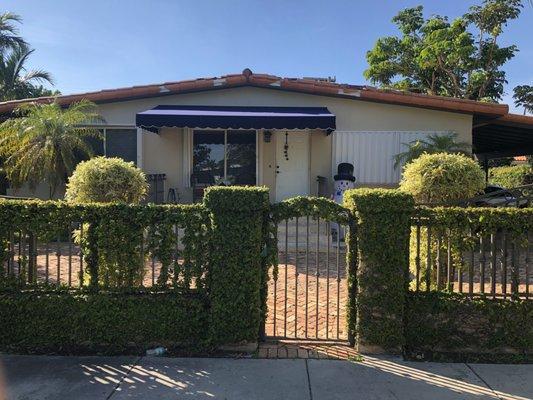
[97, 44]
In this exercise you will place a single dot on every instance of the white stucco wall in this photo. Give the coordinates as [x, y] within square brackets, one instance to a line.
[163, 153]
[352, 115]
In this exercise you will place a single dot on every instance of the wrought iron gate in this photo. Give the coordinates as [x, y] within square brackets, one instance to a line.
[307, 290]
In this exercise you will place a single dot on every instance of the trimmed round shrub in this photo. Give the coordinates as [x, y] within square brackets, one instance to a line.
[106, 180]
[111, 180]
[442, 178]
[512, 176]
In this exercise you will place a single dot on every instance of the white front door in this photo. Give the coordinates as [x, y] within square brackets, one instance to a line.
[292, 164]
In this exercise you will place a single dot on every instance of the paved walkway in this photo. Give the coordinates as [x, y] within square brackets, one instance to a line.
[297, 312]
[46, 377]
[321, 349]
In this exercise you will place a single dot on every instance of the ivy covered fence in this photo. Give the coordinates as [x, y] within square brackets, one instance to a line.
[120, 278]
[470, 277]
[103, 246]
[116, 278]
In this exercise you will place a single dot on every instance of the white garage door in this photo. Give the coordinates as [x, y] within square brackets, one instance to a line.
[372, 153]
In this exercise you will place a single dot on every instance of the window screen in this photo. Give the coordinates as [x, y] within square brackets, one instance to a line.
[121, 143]
[96, 143]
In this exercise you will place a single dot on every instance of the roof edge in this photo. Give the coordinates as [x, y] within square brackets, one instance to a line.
[516, 119]
[300, 85]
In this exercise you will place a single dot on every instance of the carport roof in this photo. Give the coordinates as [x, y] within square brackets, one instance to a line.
[509, 135]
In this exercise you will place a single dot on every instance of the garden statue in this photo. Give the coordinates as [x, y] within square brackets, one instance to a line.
[344, 180]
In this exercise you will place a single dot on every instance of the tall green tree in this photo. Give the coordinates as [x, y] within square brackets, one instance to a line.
[45, 143]
[461, 58]
[523, 97]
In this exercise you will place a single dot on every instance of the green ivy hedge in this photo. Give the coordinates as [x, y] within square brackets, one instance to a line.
[316, 207]
[76, 323]
[383, 229]
[516, 221]
[113, 237]
[464, 227]
[511, 176]
[452, 326]
[224, 253]
[237, 269]
[230, 242]
[448, 326]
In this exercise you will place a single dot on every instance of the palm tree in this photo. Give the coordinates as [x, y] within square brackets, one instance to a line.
[8, 31]
[16, 82]
[45, 142]
[433, 144]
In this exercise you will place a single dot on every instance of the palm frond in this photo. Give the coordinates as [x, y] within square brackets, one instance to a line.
[8, 30]
[8, 16]
[15, 80]
[46, 142]
[37, 75]
[434, 143]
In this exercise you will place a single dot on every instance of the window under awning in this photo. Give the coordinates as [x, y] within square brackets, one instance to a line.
[233, 117]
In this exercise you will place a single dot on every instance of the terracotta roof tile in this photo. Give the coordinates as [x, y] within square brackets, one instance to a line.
[306, 85]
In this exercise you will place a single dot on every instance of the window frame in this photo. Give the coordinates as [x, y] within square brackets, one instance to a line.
[256, 135]
[104, 128]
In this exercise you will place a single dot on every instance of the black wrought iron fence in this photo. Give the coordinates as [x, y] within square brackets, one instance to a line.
[33, 259]
[494, 261]
[307, 288]
[140, 247]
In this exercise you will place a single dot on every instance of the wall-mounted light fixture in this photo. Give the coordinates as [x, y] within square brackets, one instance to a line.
[267, 136]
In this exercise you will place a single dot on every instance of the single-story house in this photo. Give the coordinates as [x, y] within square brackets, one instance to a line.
[288, 134]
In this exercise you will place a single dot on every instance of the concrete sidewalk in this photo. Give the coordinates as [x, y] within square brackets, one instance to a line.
[46, 377]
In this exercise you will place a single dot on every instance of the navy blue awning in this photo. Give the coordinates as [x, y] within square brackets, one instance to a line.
[228, 117]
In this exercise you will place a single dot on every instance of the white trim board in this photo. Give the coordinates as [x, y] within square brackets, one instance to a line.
[140, 148]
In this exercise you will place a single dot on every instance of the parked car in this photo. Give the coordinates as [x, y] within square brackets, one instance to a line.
[497, 196]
